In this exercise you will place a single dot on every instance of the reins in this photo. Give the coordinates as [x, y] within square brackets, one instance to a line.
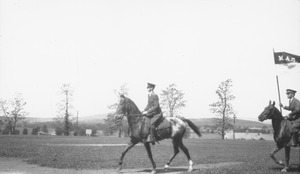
[273, 111]
[129, 115]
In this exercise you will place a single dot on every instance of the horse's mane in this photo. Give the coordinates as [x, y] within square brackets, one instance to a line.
[133, 106]
[278, 113]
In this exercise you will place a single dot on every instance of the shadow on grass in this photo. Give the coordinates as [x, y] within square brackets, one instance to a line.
[295, 168]
[170, 170]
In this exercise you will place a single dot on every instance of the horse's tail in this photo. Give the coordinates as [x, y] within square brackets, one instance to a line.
[193, 126]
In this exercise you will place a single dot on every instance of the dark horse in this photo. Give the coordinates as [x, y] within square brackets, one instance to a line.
[282, 133]
[169, 127]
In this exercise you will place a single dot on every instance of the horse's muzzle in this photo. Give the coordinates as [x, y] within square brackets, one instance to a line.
[262, 118]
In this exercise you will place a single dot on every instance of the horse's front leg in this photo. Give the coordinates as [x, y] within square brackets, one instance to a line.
[272, 154]
[176, 151]
[147, 146]
[129, 146]
[287, 158]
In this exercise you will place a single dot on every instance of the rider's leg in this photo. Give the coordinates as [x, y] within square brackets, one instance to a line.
[152, 132]
[296, 128]
[154, 123]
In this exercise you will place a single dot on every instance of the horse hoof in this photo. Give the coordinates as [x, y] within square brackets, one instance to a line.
[280, 163]
[167, 167]
[284, 170]
[119, 169]
[153, 172]
[190, 166]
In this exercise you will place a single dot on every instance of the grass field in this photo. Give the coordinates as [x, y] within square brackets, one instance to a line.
[69, 152]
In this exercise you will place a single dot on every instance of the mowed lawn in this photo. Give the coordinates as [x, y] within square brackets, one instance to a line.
[82, 153]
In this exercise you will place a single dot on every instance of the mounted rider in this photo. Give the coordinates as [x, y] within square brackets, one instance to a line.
[294, 116]
[152, 111]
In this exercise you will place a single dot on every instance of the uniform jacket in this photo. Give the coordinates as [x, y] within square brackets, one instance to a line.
[153, 107]
[294, 107]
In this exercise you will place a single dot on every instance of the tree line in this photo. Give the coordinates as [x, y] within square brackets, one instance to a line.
[171, 101]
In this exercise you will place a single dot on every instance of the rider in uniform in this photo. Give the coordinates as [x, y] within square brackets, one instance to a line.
[294, 116]
[152, 111]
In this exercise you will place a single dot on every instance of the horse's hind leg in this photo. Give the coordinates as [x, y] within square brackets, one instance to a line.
[186, 151]
[129, 146]
[272, 154]
[176, 151]
[287, 158]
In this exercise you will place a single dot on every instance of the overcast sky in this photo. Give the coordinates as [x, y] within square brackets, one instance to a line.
[97, 46]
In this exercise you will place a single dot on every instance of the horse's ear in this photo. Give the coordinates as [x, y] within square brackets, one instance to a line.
[122, 96]
[273, 103]
[270, 102]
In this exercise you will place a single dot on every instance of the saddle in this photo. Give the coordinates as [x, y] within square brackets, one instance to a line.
[162, 130]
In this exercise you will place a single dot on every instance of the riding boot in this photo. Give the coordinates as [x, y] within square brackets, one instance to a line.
[152, 135]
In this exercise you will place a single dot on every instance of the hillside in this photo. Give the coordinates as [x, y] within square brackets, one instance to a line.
[97, 118]
[35, 119]
[200, 122]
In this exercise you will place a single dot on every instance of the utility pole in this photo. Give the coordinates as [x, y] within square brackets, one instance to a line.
[77, 124]
[234, 117]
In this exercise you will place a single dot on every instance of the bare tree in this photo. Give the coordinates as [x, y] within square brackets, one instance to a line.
[116, 124]
[64, 119]
[118, 92]
[172, 100]
[223, 107]
[12, 112]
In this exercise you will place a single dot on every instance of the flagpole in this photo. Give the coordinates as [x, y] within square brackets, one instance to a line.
[278, 93]
[278, 89]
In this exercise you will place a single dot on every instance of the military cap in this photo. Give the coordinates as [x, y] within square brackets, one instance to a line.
[150, 85]
[288, 91]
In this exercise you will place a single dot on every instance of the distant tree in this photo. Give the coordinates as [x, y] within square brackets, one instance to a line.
[58, 131]
[107, 131]
[6, 131]
[172, 100]
[81, 131]
[223, 107]
[116, 124]
[118, 92]
[25, 131]
[12, 112]
[113, 125]
[83, 127]
[45, 129]
[64, 118]
[35, 130]
[264, 130]
[100, 126]
[94, 132]
[16, 132]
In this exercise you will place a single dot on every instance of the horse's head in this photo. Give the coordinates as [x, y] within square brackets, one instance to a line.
[123, 108]
[270, 112]
[126, 107]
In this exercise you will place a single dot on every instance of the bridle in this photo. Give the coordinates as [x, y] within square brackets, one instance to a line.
[127, 110]
[268, 115]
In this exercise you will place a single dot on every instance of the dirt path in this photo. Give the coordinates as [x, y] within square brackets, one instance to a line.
[17, 166]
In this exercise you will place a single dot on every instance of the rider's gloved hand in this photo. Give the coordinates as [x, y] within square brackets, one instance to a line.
[144, 112]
